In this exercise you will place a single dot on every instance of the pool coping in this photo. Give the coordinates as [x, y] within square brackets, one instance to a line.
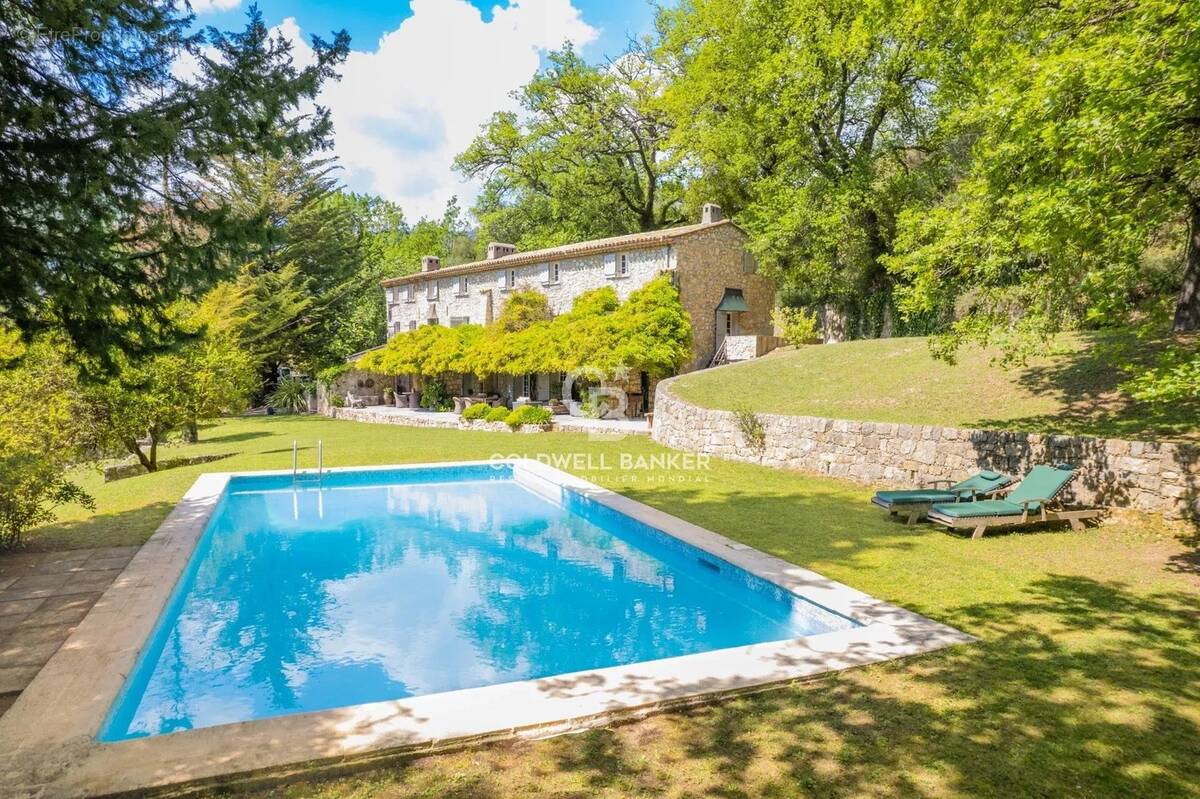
[47, 738]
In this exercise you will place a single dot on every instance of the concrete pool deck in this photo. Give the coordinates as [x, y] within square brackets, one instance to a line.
[48, 743]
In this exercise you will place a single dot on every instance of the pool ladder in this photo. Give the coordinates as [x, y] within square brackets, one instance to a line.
[299, 476]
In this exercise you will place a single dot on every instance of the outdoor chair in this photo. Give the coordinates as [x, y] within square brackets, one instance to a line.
[354, 401]
[914, 503]
[460, 404]
[1031, 502]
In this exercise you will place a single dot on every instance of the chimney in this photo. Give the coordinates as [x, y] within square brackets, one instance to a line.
[710, 213]
[430, 263]
[498, 250]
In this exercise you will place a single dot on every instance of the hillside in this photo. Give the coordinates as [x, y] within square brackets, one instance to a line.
[897, 380]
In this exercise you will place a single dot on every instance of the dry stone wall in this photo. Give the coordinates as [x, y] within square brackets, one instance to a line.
[1157, 477]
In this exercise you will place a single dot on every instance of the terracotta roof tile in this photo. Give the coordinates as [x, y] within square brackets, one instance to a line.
[611, 244]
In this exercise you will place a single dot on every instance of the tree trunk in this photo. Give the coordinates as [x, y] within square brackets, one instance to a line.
[135, 449]
[1187, 308]
[191, 432]
[153, 451]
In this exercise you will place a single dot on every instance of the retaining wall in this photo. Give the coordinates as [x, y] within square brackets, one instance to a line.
[1158, 477]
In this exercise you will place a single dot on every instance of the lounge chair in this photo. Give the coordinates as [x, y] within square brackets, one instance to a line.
[915, 503]
[1033, 501]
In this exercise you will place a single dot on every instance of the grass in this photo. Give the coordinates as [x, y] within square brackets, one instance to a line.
[1072, 390]
[1086, 681]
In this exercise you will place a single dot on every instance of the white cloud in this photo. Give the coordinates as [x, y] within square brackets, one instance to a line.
[210, 6]
[403, 111]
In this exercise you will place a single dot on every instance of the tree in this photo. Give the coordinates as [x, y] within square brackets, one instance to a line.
[147, 398]
[1086, 160]
[41, 436]
[217, 372]
[585, 157]
[105, 213]
[303, 281]
[382, 231]
[816, 122]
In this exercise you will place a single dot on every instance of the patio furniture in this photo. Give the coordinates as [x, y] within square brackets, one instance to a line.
[1031, 502]
[355, 401]
[460, 404]
[915, 503]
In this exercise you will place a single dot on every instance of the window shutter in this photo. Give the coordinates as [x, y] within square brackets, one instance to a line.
[610, 265]
[549, 273]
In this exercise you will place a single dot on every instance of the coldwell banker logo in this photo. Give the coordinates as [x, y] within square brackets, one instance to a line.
[602, 397]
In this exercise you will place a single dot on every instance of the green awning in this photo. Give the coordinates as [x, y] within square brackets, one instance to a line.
[733, 301]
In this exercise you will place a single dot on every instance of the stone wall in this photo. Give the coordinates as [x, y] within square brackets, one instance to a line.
[1157, 477]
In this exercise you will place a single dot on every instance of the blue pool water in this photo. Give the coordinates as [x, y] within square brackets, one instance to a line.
[394, 583]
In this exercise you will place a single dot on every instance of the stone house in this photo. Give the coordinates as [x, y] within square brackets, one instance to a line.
[717, 278]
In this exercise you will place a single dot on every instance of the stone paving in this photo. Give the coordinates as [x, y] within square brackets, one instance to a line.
[43, 595]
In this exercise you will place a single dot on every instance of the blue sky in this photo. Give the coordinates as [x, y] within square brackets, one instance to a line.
[425, 74]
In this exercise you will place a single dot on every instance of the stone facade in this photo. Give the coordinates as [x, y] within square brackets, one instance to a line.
[476, 298]
[705, 260]
[1157, 477]
[709, 262]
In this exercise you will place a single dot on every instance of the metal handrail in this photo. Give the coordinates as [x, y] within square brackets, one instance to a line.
[298, 475]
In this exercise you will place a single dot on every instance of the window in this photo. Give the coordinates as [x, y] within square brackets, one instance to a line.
[508, 279]
[412, 325]
[391, 312]
[462, 286]
[729, 324]
[749, 265]
[624, 268]
[391, 294]
[610, 265]
[431, 290]
[551, 273]
[456, 321]
[408, 293]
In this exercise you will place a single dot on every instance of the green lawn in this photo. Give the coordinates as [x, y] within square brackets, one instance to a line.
[1086, 681]
[1072, 390]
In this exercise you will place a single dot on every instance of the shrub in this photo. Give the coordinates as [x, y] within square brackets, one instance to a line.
[435, 397]
[528, 414]
[751, 426]
[497, 414]
[796, 326]
[290, 395]
[337, 400]
[475, 412]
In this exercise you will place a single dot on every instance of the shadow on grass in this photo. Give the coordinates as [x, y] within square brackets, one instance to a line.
[127, 528]
[1079, 688]
[249, 435]
[1087, 383]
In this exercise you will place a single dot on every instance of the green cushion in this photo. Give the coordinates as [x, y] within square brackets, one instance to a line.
[912, 497]
[984, 482]
[980, 507]
[1042, 482]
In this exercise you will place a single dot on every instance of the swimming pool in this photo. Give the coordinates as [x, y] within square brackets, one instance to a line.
[382, 584]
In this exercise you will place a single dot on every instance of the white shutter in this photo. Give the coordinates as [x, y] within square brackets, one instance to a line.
[549, 273]
[610, 265]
